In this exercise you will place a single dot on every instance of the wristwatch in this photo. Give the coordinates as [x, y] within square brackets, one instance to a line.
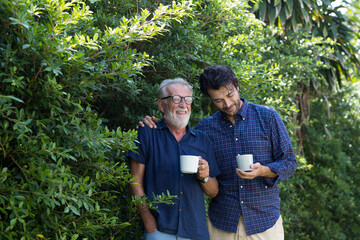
[204, 180]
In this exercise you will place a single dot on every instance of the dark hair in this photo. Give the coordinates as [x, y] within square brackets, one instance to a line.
[215, 77]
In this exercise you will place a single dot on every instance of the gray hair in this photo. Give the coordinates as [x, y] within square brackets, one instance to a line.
[162, 92]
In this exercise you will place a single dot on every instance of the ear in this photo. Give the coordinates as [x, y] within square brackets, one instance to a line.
[161, 105]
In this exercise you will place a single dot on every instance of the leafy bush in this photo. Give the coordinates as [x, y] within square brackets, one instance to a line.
[63, 172]
[75, 77]
[321, 200]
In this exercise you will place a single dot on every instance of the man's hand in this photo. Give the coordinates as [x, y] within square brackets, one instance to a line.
[258, 171]
[211, 187]
[149, 121]
[203, 170]
[150, 224]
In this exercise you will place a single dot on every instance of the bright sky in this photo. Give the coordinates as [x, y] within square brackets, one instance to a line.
[340, 3]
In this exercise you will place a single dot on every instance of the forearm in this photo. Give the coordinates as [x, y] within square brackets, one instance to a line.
[137, 189]
[266, 172]
[211, 187]
[147, 217]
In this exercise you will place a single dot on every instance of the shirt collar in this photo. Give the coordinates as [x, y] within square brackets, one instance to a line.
[162, 125]
[244, 108]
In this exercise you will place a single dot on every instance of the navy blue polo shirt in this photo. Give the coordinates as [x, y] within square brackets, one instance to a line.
[160, 152]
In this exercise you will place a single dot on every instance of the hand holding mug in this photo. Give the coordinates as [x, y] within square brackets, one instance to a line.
[258, 170]
[250, 174]
[203, 170]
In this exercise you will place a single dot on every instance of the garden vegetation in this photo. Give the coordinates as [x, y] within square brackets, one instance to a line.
[77, 76]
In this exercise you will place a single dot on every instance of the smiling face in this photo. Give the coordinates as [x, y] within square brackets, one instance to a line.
[227, 100]
[176, 115]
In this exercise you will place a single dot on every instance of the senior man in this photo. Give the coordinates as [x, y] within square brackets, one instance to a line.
[157, 168]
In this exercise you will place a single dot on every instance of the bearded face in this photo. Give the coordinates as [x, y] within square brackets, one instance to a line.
[179, 117]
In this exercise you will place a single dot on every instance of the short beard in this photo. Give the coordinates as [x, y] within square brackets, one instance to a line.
[237, 108]
[178, 122]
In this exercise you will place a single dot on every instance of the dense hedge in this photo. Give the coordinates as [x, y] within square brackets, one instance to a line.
[63, 173]
[75, 77]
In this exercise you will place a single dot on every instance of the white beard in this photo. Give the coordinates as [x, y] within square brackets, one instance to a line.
[175, 120]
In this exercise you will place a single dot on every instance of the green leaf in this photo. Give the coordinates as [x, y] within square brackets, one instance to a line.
[13, 222]
[66, 210]
[277, 2]
[3, 211]
[11, 97]
[325, 32]
[262, 10]
[294, 24]
[272, 14]
[305, 14]
[289, 7]
[74, 210]
[334, 30]
[283, 16]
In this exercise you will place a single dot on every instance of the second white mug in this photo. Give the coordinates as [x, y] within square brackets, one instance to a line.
[244, 162]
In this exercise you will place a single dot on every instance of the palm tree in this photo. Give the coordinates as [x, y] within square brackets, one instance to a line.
[321, 19]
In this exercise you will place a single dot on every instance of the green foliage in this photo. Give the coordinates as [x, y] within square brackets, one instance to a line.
[63, 172]
[321, 200]
[76, 76]
[321, 19]
[218, 32]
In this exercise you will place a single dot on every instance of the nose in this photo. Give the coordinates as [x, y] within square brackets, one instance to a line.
[227, 103]
[182, 103]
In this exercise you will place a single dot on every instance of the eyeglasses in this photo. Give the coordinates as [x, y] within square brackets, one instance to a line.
[178, 99]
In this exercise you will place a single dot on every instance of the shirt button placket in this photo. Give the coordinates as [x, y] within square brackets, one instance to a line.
[181, 180]
[241, 194]
[238, 150]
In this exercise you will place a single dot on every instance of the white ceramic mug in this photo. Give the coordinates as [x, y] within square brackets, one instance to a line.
[189, 163]
[244, 162]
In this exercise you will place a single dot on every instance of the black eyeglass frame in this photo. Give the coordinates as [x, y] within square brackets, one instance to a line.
[181, 98]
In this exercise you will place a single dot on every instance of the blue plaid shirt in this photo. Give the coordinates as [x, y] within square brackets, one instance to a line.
[260, 131]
